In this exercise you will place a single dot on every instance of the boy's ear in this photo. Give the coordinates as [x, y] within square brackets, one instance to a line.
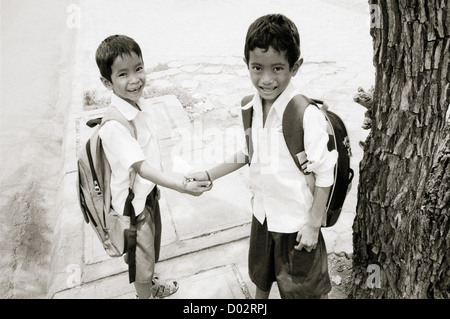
[106, 83]
[297, 66]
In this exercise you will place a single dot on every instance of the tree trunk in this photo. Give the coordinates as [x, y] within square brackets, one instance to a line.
[401, 237]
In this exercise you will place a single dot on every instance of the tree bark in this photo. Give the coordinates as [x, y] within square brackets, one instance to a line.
[402, 219]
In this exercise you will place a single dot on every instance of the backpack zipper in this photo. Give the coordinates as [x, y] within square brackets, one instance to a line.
[97, 188]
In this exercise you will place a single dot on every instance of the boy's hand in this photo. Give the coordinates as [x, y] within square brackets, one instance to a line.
[196, 188]
[307, 237]
[197, 176]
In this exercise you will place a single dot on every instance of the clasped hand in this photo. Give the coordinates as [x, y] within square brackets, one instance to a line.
[196, 183]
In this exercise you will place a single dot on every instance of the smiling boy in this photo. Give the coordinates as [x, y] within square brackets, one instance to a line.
[129, 78]
[286, 244]
[121, 66]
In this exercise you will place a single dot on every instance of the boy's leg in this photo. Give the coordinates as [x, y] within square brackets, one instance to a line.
[147, 253]
[147, 247]
[262, 294]
[143, 290]
[260, 259]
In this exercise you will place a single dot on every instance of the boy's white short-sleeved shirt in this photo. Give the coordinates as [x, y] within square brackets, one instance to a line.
[122, 151]
[280, 191]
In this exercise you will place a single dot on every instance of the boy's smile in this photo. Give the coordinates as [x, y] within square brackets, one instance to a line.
[270, 72]
[128, 77]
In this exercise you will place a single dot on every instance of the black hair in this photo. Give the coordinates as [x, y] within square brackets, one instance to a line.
[112, 47]
[276, 31]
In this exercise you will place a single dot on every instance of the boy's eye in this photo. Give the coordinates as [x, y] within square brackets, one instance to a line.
[139, 68]
[256, 68]
[122, 74]
[278, 68]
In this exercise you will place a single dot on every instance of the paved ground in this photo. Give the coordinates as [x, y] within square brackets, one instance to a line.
[205, 239]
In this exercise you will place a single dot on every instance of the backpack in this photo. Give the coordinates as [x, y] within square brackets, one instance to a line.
[117, 232]
[292, 124]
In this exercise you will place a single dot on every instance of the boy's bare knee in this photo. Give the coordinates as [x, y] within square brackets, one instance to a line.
[262, 294]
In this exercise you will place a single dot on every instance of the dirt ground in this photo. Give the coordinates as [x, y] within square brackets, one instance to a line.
[340, 270]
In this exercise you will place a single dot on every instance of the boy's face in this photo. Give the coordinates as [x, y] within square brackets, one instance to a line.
[127, 77]
[270, 72]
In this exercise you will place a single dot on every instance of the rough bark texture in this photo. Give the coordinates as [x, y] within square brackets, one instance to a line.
[402, 221]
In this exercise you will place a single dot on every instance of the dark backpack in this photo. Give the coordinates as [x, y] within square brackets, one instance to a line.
[292, 124]
[116, 231]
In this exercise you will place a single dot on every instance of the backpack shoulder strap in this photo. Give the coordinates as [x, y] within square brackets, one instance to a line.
[246, 99]
[112, 113]
[247, 116]
[293, 126]
[247, 112]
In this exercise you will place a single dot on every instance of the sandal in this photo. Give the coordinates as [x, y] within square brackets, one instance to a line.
[163, 288]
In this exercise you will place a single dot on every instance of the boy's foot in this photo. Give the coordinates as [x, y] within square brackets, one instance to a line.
[163, 288]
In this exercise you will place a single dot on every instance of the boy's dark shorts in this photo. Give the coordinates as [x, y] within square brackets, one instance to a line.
[299, 274]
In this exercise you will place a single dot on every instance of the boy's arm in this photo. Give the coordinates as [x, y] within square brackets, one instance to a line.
[321, 163]
[148, 172]
[115, 136]
[308, 235]
[233, 163]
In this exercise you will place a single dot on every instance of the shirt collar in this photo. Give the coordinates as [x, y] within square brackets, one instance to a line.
[282, 100]
[127, 110]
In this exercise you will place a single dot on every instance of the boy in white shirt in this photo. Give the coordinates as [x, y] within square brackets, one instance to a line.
[286, 244]
[121, 66]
